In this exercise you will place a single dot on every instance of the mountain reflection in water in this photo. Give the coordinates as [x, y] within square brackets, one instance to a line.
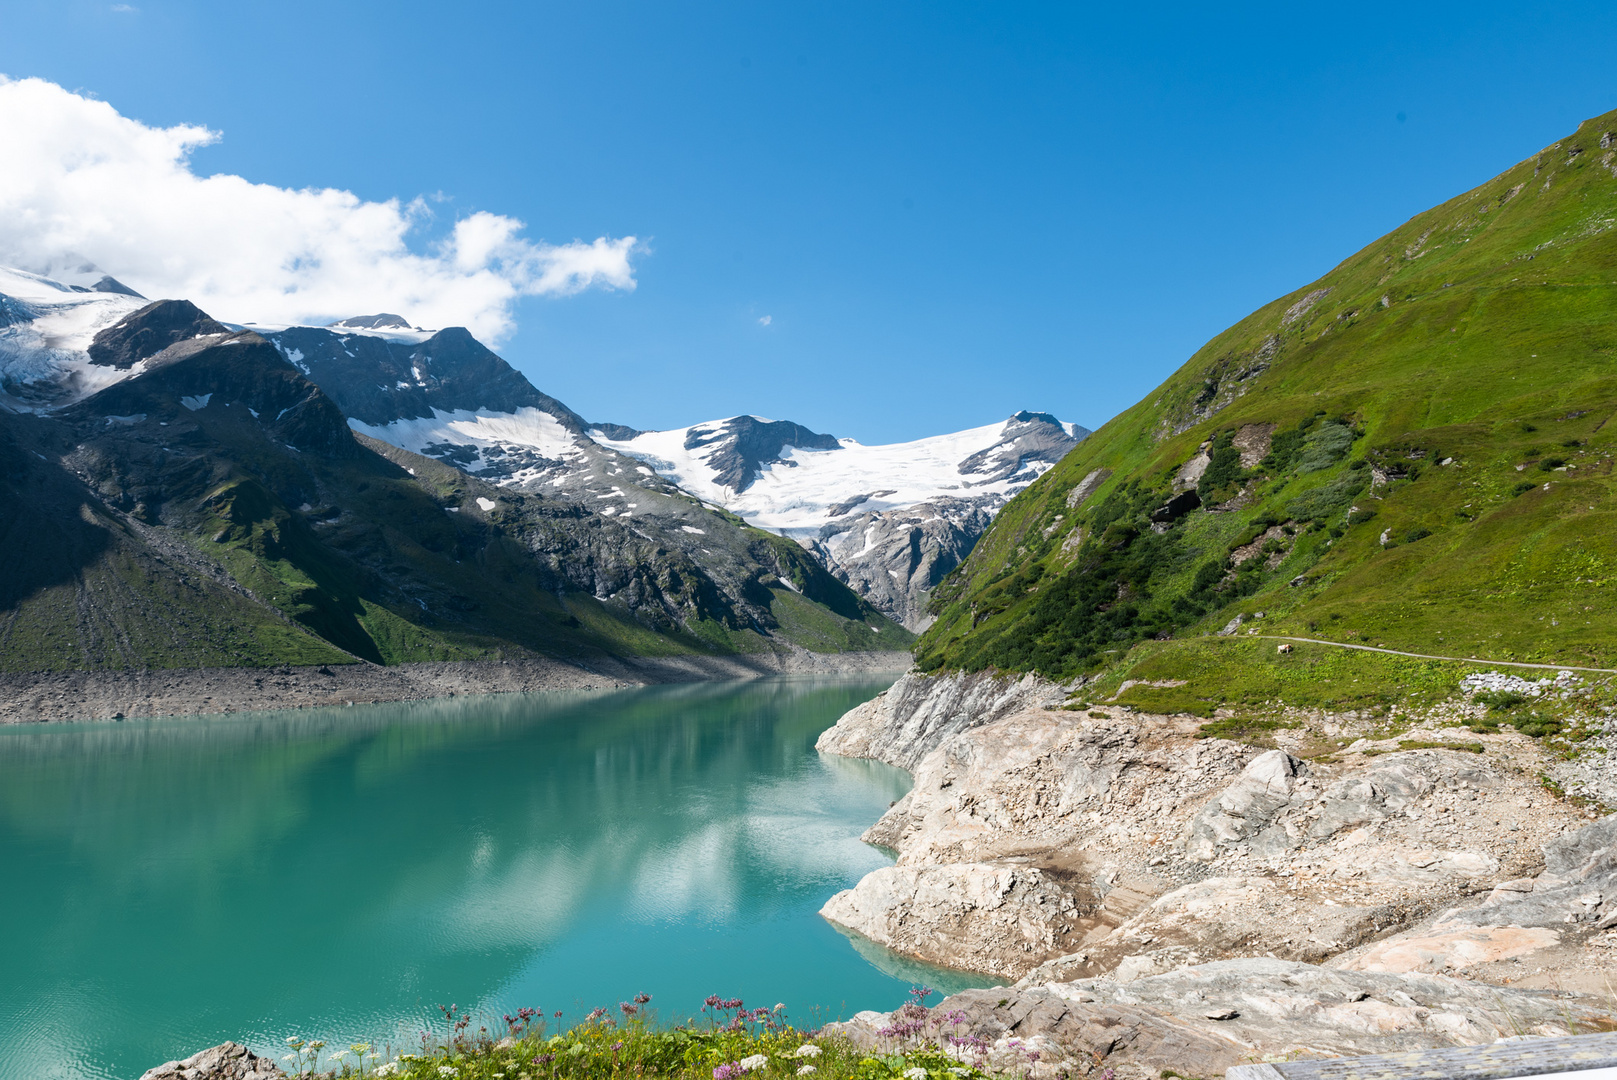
[339, 873]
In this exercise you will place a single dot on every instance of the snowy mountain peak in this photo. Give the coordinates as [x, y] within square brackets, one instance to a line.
[889, 520]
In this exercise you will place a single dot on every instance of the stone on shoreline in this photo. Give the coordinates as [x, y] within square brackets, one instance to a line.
[227, 1061]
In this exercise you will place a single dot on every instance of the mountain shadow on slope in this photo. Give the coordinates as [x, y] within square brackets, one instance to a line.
[216, 510]
[378, 380]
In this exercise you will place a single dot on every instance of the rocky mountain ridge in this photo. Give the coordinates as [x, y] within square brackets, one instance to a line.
[890, 520]
[179, 494]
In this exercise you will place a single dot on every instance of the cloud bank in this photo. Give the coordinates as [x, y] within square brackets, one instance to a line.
[79, 181]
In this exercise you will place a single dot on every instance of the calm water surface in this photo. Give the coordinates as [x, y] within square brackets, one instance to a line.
[165, 885]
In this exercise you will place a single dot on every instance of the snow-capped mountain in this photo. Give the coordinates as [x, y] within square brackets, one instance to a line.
[46, 328]
[888, 520]
[164, 429]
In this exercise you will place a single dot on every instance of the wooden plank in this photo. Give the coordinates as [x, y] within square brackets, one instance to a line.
[1516, 1057]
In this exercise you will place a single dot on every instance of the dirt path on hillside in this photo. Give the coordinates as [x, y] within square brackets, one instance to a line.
[1428, 656]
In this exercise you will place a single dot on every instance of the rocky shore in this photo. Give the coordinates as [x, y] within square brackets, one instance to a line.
[1332, 893]
[127, 695]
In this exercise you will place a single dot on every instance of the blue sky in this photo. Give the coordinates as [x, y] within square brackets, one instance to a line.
[945, 211]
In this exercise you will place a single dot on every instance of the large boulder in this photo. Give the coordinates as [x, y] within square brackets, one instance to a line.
[995, 918]
[227, 1061]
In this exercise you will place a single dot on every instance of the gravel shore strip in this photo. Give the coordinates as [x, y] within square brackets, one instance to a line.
[120, 695]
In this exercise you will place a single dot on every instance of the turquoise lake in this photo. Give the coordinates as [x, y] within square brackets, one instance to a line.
[169, 884]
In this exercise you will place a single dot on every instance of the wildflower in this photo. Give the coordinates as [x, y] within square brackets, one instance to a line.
[806, 1070]
[641, 999]
[617, 1045]
[292, 1040]
[448, 1070]
[916, 1073]
[289, 1057]
[752, 1061]
[390, 1069]
[724, 1072]
[806, 1050]
[779, 1005]
[318, 1044]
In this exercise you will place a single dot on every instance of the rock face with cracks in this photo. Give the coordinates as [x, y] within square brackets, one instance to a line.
[1112, 850]
[1201, 1020]
[227, 1061]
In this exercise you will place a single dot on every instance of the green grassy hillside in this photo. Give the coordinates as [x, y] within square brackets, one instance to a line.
[1413, 451]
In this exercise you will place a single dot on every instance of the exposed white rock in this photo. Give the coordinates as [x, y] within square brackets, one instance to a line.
[1203, 1019]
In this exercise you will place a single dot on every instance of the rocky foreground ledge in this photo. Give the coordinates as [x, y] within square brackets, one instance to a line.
[120, 695]
[1175, 900]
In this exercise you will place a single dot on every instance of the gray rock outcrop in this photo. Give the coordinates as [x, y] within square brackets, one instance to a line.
[914, 716]
[1201, 1020]
[894, 558]
[227, 1061]
[1155, 848]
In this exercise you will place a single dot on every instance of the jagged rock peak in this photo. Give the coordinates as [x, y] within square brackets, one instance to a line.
[384, 321]
[143, 334]
[744, 444]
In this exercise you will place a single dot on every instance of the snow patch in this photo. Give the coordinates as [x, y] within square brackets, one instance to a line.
[486, 504]
[195, 402]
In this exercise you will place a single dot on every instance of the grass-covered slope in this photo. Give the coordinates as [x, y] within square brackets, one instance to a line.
[1413, 451]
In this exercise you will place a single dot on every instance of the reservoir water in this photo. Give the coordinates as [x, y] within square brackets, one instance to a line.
[168, 884]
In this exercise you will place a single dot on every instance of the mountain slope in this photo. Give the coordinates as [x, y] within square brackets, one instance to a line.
[889, 521]
[212, 507]
[1414, 450]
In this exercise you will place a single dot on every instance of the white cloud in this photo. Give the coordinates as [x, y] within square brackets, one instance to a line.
[766, 320]
[78, 181]
[125, 9]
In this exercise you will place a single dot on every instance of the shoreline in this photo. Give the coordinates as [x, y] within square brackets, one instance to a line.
[46, 697]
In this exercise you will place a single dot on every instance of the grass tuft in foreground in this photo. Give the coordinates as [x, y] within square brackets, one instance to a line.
[729, 1042]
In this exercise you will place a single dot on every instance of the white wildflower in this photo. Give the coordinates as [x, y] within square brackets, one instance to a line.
[390, 1069]
[916, 1073]
[752, 1061]
[807, 1050]
[292, 1040]
[806, 1070]
[448, 1070]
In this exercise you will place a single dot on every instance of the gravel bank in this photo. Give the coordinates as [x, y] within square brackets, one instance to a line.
[116, 695]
